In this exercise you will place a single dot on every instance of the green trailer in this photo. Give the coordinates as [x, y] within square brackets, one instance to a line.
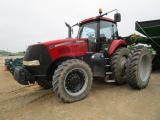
[151, 36]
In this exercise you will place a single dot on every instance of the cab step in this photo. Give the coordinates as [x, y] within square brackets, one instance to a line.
[108, 73]
[107, 65]
[110, 81]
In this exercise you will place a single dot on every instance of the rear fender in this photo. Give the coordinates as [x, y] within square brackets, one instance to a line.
[115, 44]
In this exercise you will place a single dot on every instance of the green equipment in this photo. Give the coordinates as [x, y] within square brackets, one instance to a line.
[151, 29]
[11, 64]
[16, 62]
[8, 63]
[151, 32]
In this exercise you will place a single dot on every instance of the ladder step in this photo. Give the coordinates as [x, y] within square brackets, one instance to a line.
[107, 65]
[109, 81]
[108, 73]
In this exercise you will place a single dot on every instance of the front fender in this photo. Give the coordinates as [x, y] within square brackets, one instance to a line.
[115, 44]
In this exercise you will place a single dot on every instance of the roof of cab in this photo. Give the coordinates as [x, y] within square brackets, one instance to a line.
[94, 18]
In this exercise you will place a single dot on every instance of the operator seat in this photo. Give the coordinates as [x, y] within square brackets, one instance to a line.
[92, 44]
[103, 42]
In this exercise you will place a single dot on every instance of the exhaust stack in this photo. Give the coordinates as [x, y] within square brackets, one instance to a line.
[69, 30]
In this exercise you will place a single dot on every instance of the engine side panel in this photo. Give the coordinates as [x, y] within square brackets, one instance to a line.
[70, 49]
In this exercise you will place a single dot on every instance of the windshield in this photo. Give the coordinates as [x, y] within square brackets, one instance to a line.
[108, 30]
[89, 31]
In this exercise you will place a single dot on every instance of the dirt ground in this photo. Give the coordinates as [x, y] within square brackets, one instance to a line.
[104, 102]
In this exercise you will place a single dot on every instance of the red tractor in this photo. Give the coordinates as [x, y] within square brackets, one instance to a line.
[69, 65]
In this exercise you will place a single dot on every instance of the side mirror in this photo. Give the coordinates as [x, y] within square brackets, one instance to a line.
[117, 17]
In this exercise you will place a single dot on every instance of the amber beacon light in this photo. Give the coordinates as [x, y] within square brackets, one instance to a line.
[100, 11]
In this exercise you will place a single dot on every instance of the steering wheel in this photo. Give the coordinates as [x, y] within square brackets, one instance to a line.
[91, 38]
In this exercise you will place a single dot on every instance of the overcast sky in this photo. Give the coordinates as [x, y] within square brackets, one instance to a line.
[25, 22]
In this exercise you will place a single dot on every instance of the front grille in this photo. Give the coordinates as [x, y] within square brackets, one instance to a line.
[38, 52]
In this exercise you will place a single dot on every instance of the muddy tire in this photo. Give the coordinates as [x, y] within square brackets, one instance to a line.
[45, 84]
[118, 65]
[72, 80]
[139, 67]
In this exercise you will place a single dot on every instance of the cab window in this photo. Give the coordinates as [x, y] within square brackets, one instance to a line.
[89, 31]
[108, 30]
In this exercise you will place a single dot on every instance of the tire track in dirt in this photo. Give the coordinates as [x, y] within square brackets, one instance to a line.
[18, 100]
[17, 89]
[15, 96]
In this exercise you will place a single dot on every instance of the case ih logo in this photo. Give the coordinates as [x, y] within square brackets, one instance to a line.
[66, 43]
[61, 44]
[80, 41]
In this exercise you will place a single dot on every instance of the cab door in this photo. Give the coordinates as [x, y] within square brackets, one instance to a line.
[107, 33]
[89, 31]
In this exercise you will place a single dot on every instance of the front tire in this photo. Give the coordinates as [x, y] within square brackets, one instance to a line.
[139, 67]
[72, 80]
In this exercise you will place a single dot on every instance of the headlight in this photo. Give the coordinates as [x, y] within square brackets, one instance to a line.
[31, 63]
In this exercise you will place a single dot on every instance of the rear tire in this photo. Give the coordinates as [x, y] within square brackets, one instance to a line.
[72, 80]
[118, 65]
[139, 67]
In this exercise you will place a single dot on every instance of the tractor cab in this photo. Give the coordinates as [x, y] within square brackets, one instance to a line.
[99, 32]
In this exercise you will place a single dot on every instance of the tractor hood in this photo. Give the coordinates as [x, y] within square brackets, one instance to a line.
[52, 50]
[60, 41]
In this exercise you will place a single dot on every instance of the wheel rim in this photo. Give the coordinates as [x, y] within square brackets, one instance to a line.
[144, 68]
[122, 63]
[76, 81]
